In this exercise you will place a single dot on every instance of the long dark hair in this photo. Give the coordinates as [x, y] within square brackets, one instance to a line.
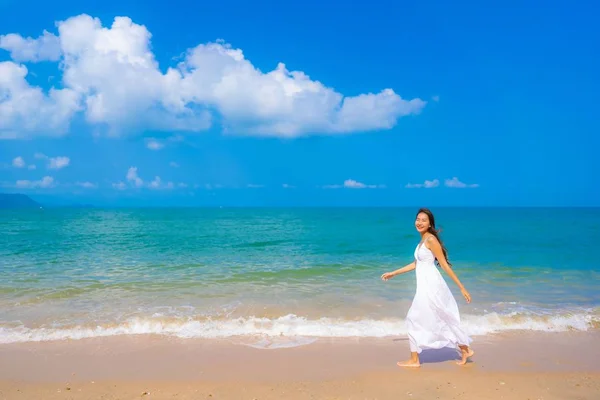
[435, 232]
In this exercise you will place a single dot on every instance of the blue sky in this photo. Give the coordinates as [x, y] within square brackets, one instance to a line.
[392, 103]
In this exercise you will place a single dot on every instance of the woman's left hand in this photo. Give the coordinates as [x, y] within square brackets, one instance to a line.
[466, 295]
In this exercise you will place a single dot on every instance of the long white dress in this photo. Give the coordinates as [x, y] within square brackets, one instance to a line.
[433, 320]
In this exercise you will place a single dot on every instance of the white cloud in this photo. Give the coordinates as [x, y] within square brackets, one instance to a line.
[44, 183]
[157, 184]
[455, 183]
[182, 185]
[46, 47]
[132, 176]
[53, 162]
[111, 74]
[134, 179]
[287, 186]
[153, 144]
[352, 184]
[31, 167]
[427, 184]
[58, 162]
[26, 110]
[173, 164]
[436, 99]
[87, 185]
[18, 162]
[281, 102]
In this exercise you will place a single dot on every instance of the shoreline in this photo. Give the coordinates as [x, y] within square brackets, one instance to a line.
[126, 367]
[266, 322]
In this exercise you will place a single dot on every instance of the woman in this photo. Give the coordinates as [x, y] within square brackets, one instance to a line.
[433, 320]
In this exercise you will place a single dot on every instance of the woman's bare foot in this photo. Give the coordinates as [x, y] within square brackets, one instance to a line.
[409, 364]
[466, 354]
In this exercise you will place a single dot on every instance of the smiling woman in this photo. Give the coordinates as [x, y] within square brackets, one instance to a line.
[111, 75]
[433, 320]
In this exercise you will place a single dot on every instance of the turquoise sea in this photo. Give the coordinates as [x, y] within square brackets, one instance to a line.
[279, 277]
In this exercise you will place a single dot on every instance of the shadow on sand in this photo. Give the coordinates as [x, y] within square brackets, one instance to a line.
[437, 356]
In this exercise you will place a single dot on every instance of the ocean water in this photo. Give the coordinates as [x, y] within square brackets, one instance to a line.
[284, 277]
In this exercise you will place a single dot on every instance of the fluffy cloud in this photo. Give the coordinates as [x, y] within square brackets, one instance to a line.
[158, 184]
[87, 185]
[134, 180]
[452, 183]
[154, 145]
[26, 110]
[46, 47]
[44, 183]
[455, 183]
[54, 162]
[155, 184]
[173, 164]
[58, 162]
[132, 176]
[18, 162]
[111, 74]
[427, 184]
[352, 184]
[281, 102]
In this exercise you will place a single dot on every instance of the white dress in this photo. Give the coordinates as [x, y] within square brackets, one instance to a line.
[433, 320]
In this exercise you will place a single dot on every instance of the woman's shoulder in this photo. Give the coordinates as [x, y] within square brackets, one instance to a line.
[430, 239]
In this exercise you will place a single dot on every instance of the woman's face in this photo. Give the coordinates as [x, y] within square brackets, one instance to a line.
[422, 223]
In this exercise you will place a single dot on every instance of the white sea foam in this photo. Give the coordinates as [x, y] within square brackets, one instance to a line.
[300, 329]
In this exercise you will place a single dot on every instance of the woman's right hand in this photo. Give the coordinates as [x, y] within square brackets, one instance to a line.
[387, 276]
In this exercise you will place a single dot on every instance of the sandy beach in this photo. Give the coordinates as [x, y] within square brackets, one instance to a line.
[516, 366]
